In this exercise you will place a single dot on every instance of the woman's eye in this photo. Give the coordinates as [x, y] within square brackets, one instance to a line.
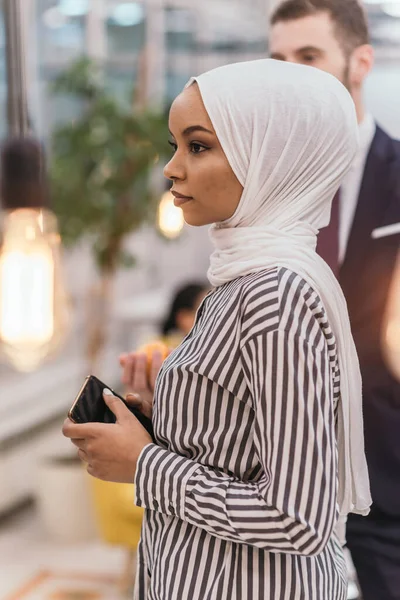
[173, 145]
[196, 148]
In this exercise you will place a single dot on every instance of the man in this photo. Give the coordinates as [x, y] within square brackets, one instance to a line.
[333, 35]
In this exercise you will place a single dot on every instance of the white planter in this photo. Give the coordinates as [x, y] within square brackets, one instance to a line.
[64, 501]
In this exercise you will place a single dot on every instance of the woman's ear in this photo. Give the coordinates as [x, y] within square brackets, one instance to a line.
[361, 63]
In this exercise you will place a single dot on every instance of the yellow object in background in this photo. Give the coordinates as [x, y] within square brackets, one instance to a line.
[119, 522]
[119, 519]
[150, 348]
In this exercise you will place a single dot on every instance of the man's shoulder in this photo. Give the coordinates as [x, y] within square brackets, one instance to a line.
[385, 145]
[397, 147]
[387, 150]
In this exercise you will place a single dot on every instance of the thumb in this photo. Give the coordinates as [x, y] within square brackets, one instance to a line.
[115, 405]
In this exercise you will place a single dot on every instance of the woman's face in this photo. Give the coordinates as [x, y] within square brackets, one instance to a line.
[204, 185]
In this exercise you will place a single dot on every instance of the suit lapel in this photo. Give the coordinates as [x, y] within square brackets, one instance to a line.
[372, 203]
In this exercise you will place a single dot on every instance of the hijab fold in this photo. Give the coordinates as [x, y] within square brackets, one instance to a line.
[290, 135]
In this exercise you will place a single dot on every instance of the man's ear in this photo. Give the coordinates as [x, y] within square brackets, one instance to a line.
[361, 63]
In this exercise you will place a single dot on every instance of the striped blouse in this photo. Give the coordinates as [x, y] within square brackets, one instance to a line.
[240, 490]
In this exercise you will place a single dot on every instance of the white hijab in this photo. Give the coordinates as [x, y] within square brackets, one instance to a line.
[290, 134]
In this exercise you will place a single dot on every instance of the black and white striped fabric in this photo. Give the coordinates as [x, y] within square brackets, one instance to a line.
[241, 490]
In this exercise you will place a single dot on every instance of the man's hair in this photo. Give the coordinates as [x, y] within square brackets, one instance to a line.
[348, 16]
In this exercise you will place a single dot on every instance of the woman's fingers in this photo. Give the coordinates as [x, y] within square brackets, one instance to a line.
[83, 456]
[135, 400]
[79, 443]
[134, 367]
[137, 374]
[144, 406]
[122, 358]
[139, 378]
[128, 366]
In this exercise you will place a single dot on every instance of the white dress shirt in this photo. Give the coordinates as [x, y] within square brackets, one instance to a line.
[350, 189]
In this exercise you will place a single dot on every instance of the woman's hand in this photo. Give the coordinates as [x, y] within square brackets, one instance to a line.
[138, 382]
[111, 450]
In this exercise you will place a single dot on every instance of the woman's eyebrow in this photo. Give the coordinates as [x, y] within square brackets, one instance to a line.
[194, 128]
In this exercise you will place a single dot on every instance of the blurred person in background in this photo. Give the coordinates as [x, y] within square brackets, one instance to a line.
[332, 35]
[176, 326]
[182, 312]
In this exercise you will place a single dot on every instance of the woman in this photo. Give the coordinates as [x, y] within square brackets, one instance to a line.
[182, 312]
[257, 414]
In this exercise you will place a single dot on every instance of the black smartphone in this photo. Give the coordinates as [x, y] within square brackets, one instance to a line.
[89, 406]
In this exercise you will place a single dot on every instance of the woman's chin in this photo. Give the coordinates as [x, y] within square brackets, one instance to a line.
[196, 220]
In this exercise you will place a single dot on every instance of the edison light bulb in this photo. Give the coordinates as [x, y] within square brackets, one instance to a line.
[170, 218]
[33, 304]
[34, 311]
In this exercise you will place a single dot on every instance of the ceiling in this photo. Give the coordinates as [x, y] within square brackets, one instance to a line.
[234, 20]
[248, 20]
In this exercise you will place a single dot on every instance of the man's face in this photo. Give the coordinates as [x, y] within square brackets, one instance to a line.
[311, 41]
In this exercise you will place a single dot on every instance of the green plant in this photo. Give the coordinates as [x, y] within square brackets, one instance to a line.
[99, 179]
[100, 166]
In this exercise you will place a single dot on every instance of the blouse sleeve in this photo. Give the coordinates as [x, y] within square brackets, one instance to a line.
[291, 506]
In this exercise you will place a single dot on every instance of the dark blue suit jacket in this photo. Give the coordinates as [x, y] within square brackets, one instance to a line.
[365, 276]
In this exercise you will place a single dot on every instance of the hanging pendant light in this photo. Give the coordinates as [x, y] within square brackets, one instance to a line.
[170, 218]
[34, 311]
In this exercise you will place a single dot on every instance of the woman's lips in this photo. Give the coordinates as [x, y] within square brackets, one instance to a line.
[180, 199]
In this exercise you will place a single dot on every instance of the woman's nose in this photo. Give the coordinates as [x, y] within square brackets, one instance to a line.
[174, 169]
